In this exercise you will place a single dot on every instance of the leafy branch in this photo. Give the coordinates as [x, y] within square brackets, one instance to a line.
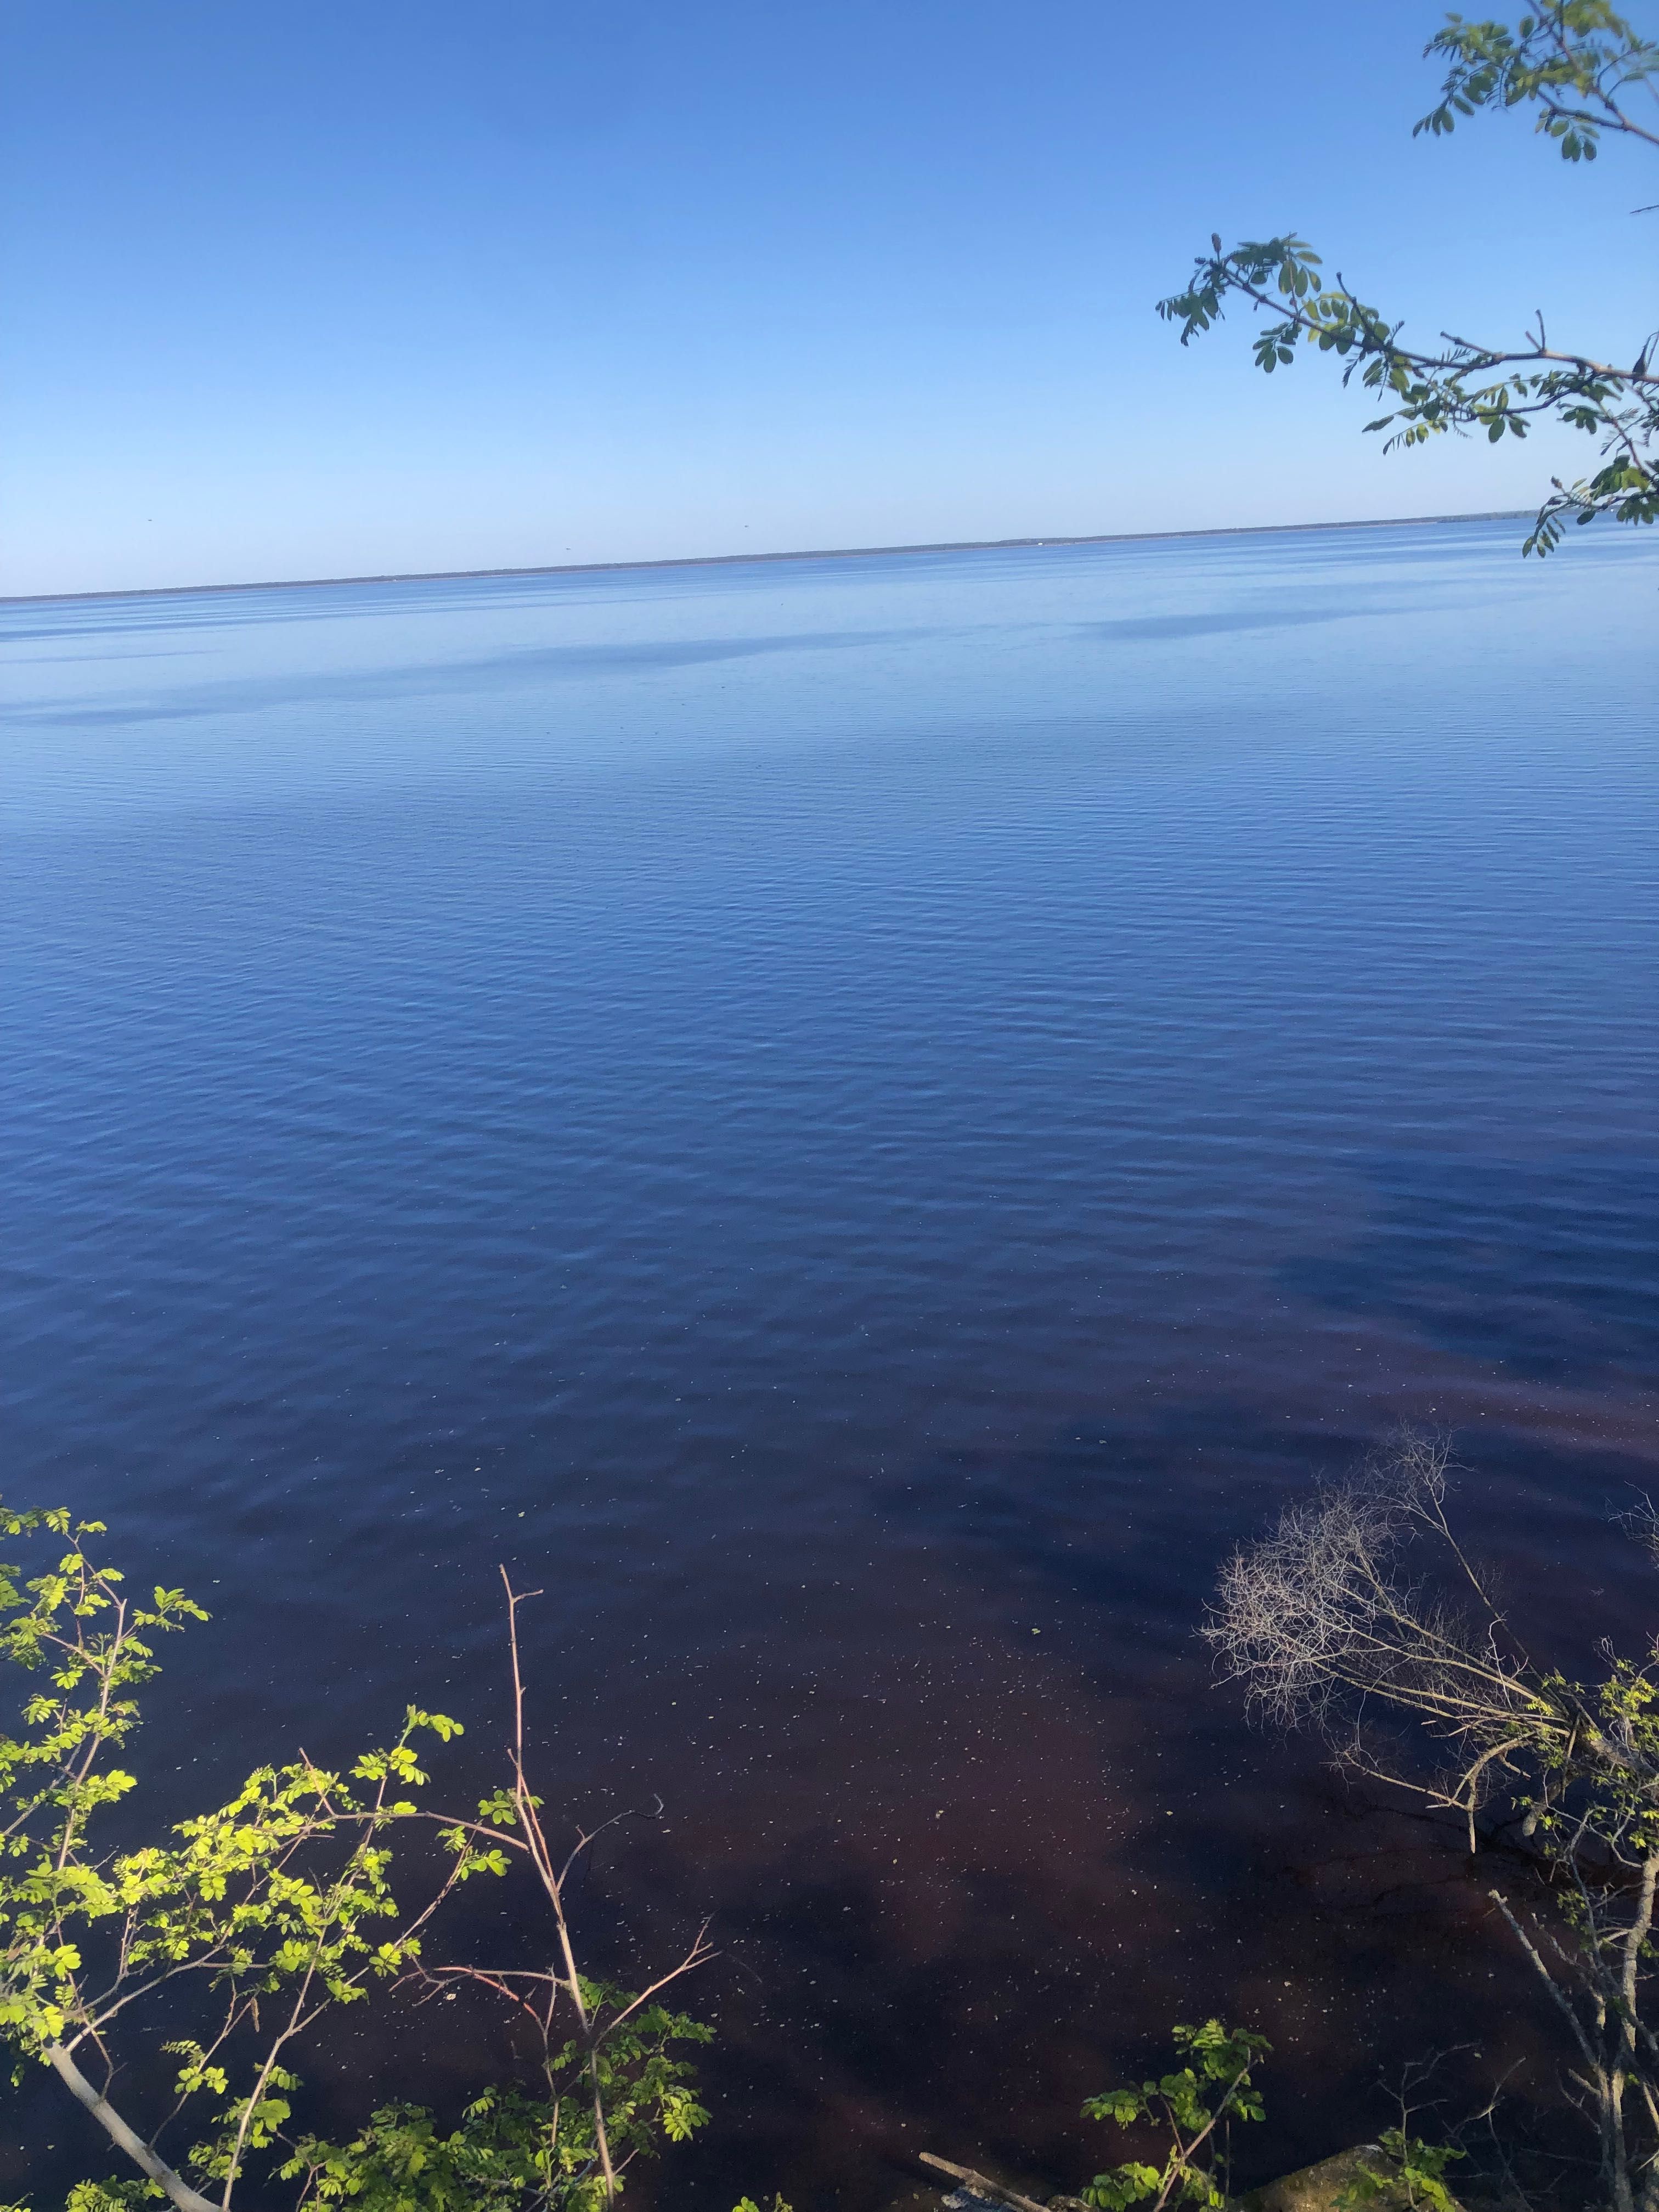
[1195, 2106]
[1574, 60]
[1411, 2168]
[1579, 62]
[269, 1912]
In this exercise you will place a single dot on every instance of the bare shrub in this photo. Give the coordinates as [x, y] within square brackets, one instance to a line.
[1360, 1605]
[1322, 1620]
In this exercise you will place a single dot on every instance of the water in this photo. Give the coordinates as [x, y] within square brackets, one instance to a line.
[857, 1124]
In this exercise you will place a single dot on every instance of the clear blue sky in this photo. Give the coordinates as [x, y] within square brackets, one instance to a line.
[297, 290]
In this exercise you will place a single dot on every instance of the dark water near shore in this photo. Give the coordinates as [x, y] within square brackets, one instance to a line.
[859, 1123]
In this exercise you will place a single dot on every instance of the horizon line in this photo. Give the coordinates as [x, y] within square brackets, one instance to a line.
[733, 560]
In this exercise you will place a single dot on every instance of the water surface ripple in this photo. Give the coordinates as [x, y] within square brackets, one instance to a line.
[858, 1122]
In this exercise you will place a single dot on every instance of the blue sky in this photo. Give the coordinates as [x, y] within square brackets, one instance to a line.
[298, 289]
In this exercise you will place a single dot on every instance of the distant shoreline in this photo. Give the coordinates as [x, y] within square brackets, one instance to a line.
[736, 560]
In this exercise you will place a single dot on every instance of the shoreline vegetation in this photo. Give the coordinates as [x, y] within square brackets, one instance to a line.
[253, 1926]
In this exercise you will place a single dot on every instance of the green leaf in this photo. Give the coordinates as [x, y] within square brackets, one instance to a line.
[1123, 2186]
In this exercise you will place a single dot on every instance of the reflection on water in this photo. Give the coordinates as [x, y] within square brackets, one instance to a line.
[861, 1122]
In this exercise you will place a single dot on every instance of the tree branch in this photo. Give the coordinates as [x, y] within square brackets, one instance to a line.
[179, 2191]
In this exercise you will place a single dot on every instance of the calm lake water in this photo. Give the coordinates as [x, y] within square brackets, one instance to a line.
[858, 1122]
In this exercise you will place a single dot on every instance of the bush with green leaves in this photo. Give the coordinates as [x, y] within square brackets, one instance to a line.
[1407, 2171]
[1193, 2107]
[1582, 68]
[260, 1918]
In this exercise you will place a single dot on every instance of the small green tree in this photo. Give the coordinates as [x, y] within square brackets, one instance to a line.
[261, 1917]
[1195, 2106]
[1581, 66]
